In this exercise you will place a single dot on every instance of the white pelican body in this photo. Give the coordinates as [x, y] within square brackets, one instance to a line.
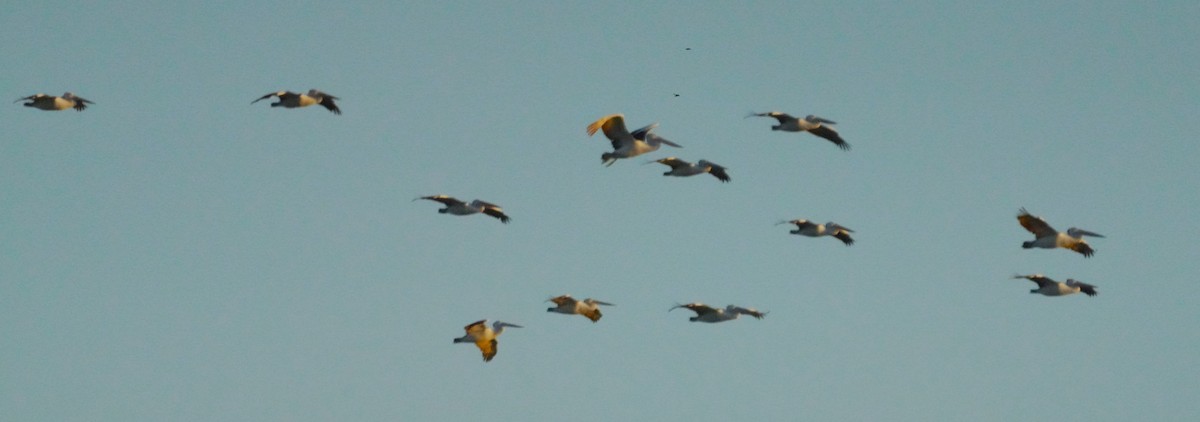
[811, 124]
[682, 168]
[289, 99]
[1046, 237]
[807, 228]
[705, 313]
[589, 308]
[625, 144]
[456, 207]
[1049, 287]
[484, 337]
[52, 103]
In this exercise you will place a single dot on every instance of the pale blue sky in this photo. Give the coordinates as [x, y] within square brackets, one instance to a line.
[175, 253]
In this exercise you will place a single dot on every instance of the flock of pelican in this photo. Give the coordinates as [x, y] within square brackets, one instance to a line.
[626, 144]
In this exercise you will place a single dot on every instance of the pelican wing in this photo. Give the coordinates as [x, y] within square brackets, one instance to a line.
[654, 140]
[273, 94]
[327, 102]
[748, 311]
[488, 348]
[673, 162]
[781, 117]
[1078, 232]
[562, 300]
[448, 201]
[1035, 224]
[717, 171]
[843, 236]
[831, 135]
[816, 119]
[497, 213]
[698, 308]
[614, 129]
[1087, 289]
[801, 224]
[1041, 280]
[1083, 249]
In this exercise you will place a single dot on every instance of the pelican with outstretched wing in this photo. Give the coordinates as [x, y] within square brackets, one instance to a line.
[484, 337]
[1049, 287]
[812, 124]
[457, 207]
[626, 144]
[52, 103]
[289, 99]
[810, 229]
[682, 168]
[705, 313]
[1046, 237]
[589, 308]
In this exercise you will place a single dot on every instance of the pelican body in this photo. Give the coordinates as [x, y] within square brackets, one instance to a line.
[624, 143]
[454, 206]
[589, 308]
[682, 168]
[289, 99]
[52, 103]
[810, 229]
[484, 337]
[1045, 237]
[811, 124]
[705, 313]
[1049, 287]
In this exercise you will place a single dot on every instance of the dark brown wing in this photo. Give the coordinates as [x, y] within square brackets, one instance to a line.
[496, 212]
[843, 236]
[445, 200]
[718, 172]
[1035, 224]
[831, 135]
[1084, 249]
[488, 348]
[328, 103]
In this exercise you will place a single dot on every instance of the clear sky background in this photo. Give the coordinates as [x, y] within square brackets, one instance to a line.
[176, 253]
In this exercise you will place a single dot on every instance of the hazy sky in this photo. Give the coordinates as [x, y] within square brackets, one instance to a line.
[176, 253]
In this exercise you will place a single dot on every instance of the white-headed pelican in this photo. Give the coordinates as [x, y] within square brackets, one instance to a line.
[484, 337]
[1046, 237]
[52, 103]
[684, 169]
[705, 313]
[1049, 287]
[456, 207]
[625, 144]
[289, 99]
[807, 228]
[811, 124]
[589, 307]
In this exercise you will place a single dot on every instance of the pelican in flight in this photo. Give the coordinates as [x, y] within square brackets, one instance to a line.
[807, 228]
[589, 307]
[625, 144]
[52, 103]
[1046, 237]
[456, 207]
[811, 124]
[484, 337]
[289, 99]
[1049, 287]
[705, 313]
[684, 169]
